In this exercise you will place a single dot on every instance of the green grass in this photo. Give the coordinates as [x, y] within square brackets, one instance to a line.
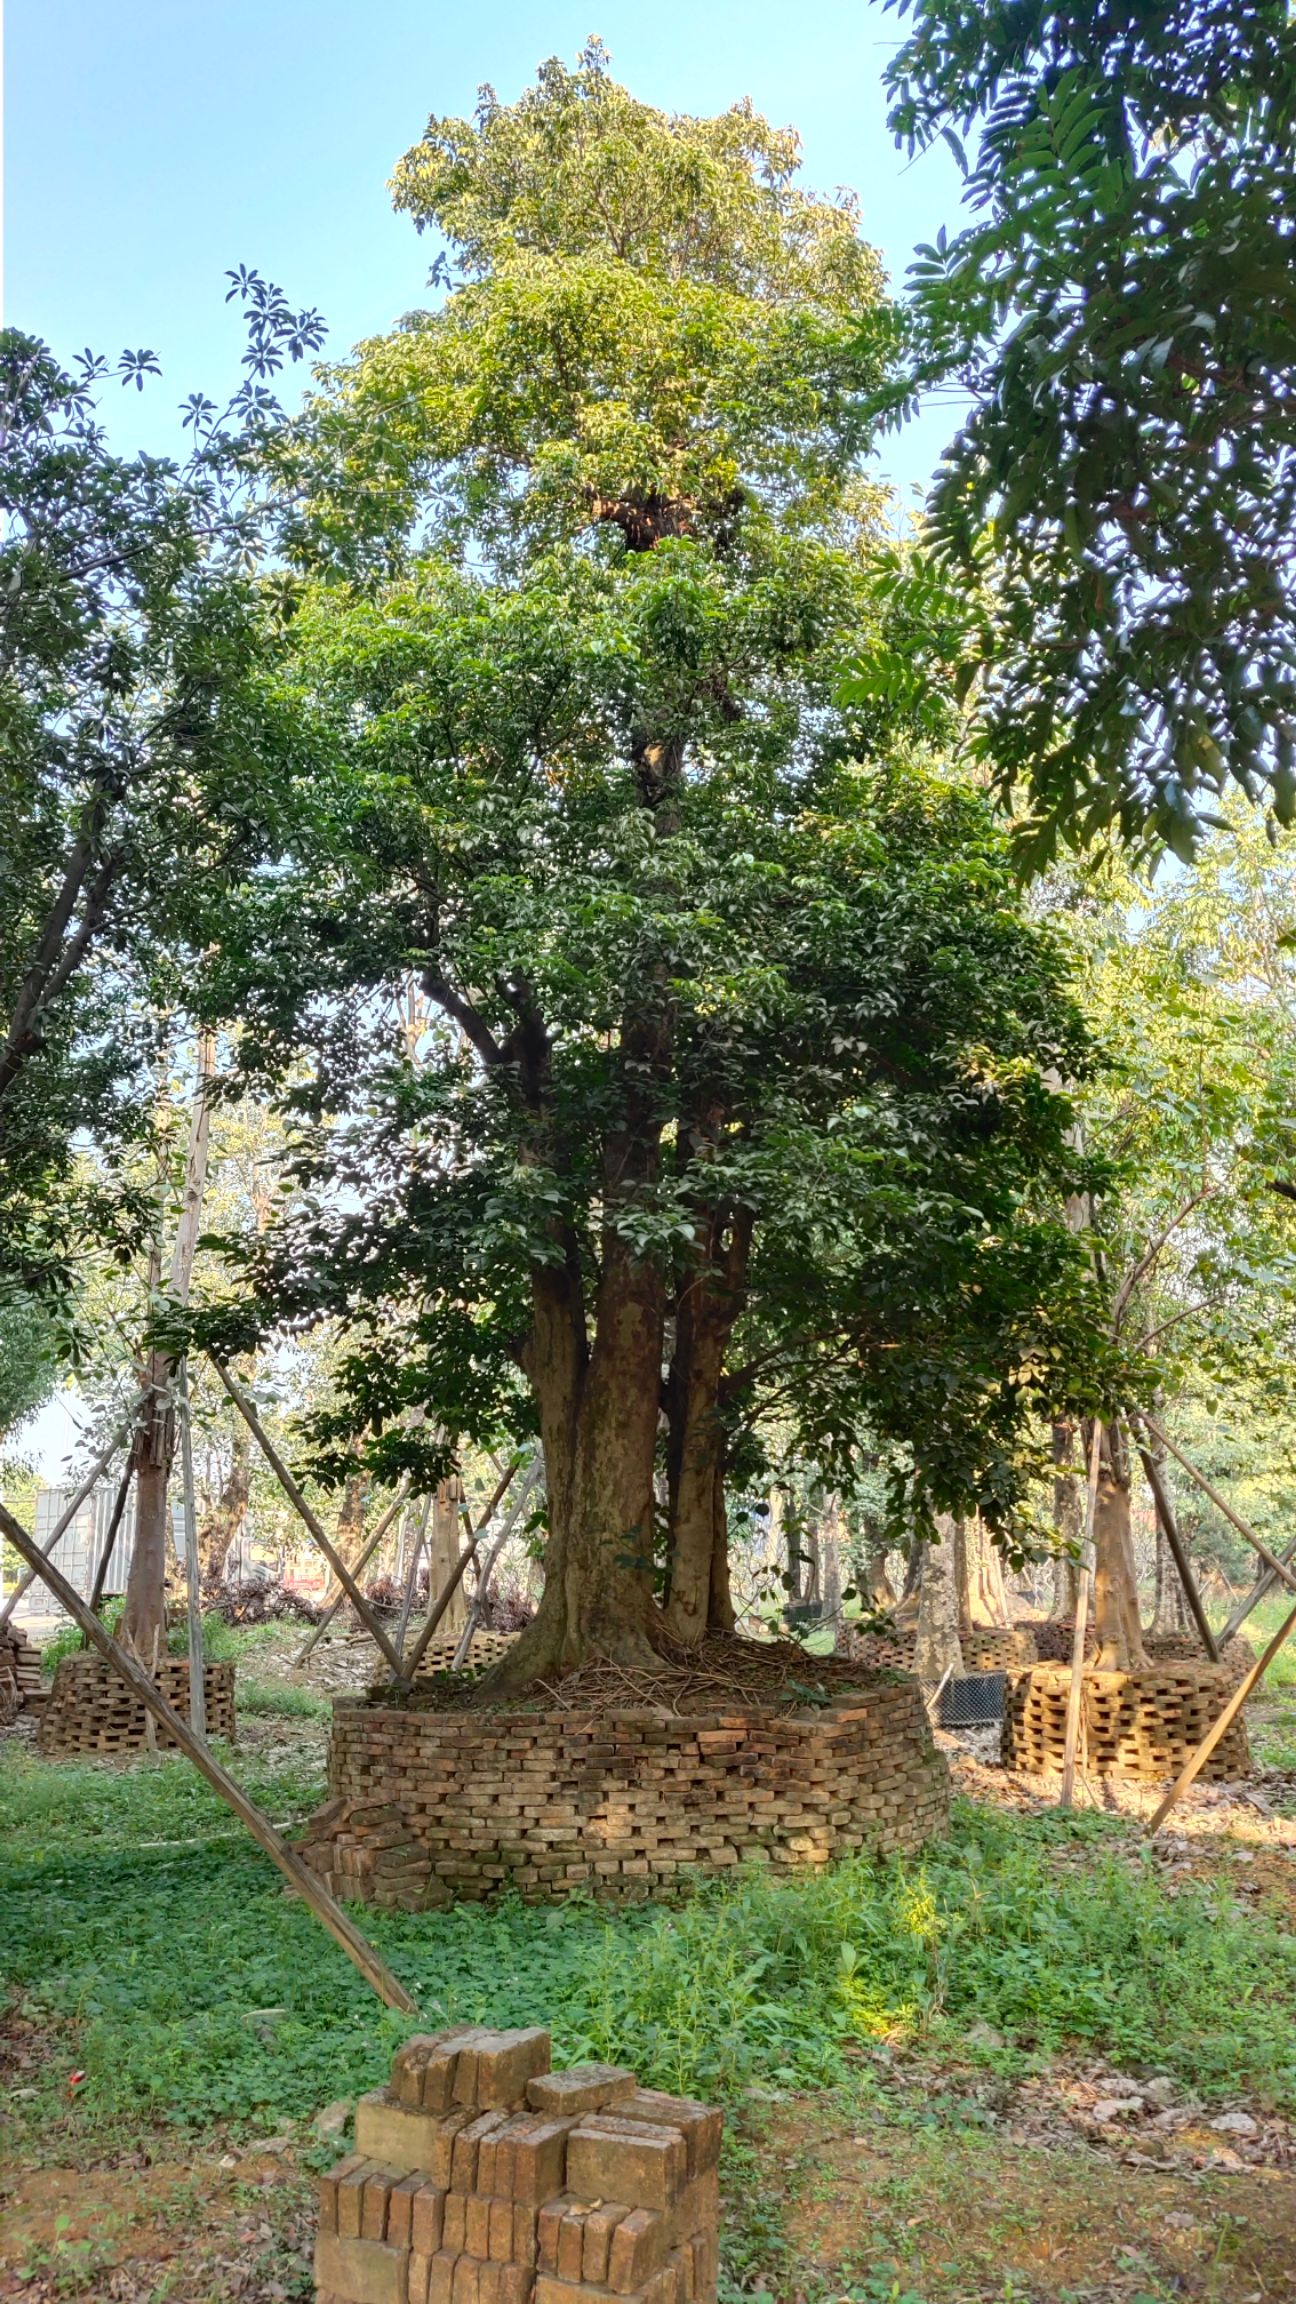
[139, 1922]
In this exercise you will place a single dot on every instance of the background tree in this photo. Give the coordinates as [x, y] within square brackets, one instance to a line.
[1121, 312]
[742, 1108]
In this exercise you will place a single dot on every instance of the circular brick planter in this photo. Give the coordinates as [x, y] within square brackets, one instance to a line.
[1137, 1725]
[92, 1710]
[429, 1805]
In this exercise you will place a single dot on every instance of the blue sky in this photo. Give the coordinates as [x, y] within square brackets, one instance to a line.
[151, 144]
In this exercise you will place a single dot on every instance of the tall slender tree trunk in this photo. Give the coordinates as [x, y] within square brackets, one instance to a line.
[939, 1649]
[1116, 1606]
[443, 1553]
[1068, 1519]
[143, 1626]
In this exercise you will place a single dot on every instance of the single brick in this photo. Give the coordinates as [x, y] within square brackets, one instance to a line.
[441, 2069]
[583, 2088]
[361, 2270]
[506, 2061]
[425, 2219]
[417, 2288]
[400, 2210]
[524, 2234]
[477, 2227]
[377, 2192]
[626, 2160]
[515, 2284]
[454, 2222]
[571, 2243]
[464, 2285]
[681, 2260]
[600, 2224]
[697, 2208]
[441, 2276]
[500, 2231]
[350, 2197]
[488, 2282]
[701, 2125]
[399, 2138]
[539, 2159]
[636, 2250]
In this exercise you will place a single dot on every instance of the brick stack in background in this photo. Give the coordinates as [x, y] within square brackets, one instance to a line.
[20, 1674]
[481, 2177]
[1141, 1726]
[430, 1805]
[92, 1710]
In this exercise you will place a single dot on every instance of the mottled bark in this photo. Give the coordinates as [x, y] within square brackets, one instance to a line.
[224, 1518]
[1068, 1519]
[1116, 1608]
[939, 1649]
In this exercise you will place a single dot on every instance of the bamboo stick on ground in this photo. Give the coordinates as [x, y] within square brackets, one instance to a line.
[1075, 1693]
[311, 1890]
[1197, 1760]
[304, 1512]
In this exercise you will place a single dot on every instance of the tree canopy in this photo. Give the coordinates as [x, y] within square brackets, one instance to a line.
[1120, 311]
[740, 1086]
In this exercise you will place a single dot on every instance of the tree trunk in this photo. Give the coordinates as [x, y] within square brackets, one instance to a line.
[225, 1517]
[939, 1649]
[987, 1591]
[1116, 1608]
[708, 1303]
[876, 1589]
[1068, 1519]
[443, 1553]
[143, 1625]
[830, 1551]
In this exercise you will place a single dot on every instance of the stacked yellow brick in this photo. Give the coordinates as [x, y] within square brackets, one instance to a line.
[481, 2177]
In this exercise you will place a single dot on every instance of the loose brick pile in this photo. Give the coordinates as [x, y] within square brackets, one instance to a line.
[428, 1805]
[1135, 1725]
[91, 1709]
[20, 1673]
[486, 1649]
[481, 2177]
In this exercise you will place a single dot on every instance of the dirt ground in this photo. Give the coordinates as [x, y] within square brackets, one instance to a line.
[932, 2184]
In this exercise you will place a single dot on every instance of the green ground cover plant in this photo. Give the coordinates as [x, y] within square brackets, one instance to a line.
[159, 1947]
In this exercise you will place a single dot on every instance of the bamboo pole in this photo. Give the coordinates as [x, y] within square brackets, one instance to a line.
[1075, 1692]
[104, 1561]
[1197, 1760]
[1235, 1519]
[452, 1583]
[311, 1519]
[318, 1630]
[312, 1891]
[193, 1578]
[1259, 1591]
[1166, 1515]
[97, 1469]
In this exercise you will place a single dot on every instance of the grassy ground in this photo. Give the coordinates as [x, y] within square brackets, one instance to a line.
[911, 2054]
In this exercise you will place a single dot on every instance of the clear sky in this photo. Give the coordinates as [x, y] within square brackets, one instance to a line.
[151, 144]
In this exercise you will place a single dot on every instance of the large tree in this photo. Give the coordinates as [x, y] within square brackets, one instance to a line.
[738, 1098]
[1120, 311]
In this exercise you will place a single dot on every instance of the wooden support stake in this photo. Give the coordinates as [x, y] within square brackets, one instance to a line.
[1197, 1760]
[1260, 1589]
[488, 1568]
[452, 1582]
[311, 1519]
[1235, 1519]
[309, 1888]
[318, 1631]
[104, 1561]
[1166, 1515]
[1075, 1693]
[97, 1469]
[193, 1576]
